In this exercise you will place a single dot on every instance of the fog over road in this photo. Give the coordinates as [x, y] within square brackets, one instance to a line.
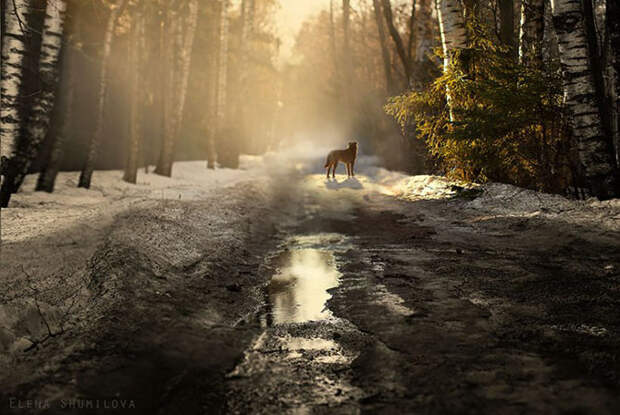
[288, 293]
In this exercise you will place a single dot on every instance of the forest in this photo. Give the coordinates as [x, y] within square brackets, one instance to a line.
[522, 92]
[170, 243]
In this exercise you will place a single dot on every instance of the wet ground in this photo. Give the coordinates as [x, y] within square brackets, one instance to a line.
[428, 314]
[350, 301]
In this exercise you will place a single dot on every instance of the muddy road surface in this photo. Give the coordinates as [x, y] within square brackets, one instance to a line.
[333, 297]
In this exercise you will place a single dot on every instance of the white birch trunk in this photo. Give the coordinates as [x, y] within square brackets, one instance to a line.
[531, 32]
[40, 114]
[41, 111]
[613, 71]
[453, 34]
[51, 167]
[13, 51]
[580, 99]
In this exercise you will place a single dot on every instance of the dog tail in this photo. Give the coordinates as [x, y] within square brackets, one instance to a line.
[326, 162]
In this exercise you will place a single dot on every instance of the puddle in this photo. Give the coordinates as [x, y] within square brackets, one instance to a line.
[298, 292]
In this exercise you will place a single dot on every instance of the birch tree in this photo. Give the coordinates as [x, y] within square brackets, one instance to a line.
[51, 166]
[39, 118]
[453, 35]
[96, 138]
[593, 147]
[531, 32]
[13, 52]
[612, 20]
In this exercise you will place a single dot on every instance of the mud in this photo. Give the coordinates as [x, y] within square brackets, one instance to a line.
[438, 310]
[340, 300]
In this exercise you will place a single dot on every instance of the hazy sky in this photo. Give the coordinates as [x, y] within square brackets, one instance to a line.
[290, 16]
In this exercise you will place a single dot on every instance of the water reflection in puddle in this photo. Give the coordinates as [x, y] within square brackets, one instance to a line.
[298, 292]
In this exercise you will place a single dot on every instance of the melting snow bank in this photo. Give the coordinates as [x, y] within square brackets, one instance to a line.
[36, 214]
[414, 187]
[493, 199]
[506, 200]
[370, 177]
[85, 277]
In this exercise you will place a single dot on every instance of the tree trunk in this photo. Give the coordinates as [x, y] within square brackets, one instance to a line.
[613, 87]
[453, 35]
[412, 37]
[13, 51]
[185, 61]
[580, 99]
[507, 23]
[531, 33]
[332, 36]
[136, 95]
[471, 9]
[400, 48]
[347, 67]
[335, 57]
[597, 65]
[222, 86]
[40, 114]
[170, 48]
[426, 29]
[95, 140]
[247, 28]
[183, 35]
[212, 86]
[3, 7]
[47, 177]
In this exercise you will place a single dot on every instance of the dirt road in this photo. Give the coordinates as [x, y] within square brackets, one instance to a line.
[337, 298]
[436, 310]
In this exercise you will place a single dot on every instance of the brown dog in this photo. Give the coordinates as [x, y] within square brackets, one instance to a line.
[346, 156]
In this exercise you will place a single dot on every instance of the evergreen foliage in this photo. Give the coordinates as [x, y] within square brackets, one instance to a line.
[508, 123]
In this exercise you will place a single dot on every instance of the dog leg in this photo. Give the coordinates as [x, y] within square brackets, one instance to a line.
[352, 167]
